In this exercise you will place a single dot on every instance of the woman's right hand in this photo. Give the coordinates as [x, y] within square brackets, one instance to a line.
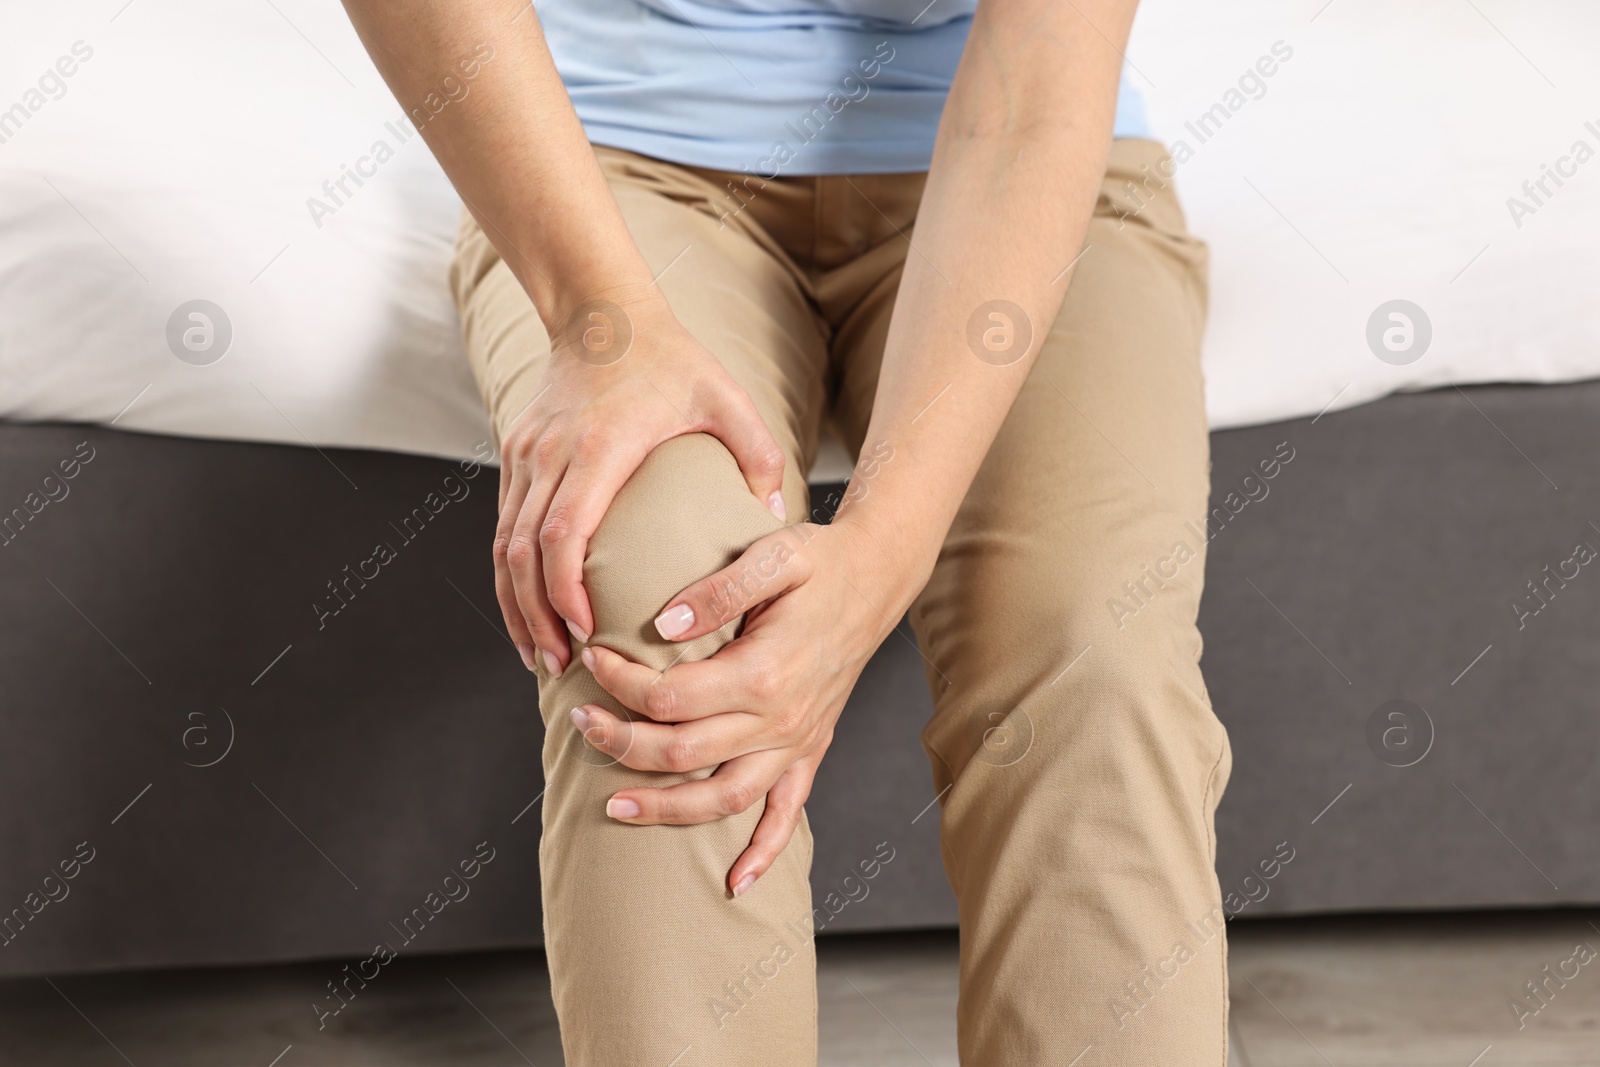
[624, 376]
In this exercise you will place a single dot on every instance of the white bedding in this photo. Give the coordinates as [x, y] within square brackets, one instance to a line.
[1376, 166]
[176, 161]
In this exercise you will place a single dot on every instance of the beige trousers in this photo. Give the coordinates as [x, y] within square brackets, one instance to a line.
[1072, 741]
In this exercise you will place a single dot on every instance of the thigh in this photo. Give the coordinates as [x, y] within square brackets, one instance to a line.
[650, 957]
[725, 278]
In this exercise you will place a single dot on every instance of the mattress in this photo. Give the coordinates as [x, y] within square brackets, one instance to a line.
[206, 693]
[215, 220]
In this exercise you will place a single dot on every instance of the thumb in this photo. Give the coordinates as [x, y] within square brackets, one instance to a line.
[738, 425]
[773, 565]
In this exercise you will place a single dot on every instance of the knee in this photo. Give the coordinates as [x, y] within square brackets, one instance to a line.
[1138, 702]
[684, 514]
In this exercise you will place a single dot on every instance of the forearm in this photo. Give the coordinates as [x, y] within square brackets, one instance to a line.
[510, 143]
[1017, 165]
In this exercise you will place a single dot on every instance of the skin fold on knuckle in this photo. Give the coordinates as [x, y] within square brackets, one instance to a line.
[680, 755]
[502, 545]
[764, 687]
[556, 527]
[796, 731]
[545, 450]
[517, 448]
[663, 702]
[519, 553]
[736, 798]
[613, 679]
[769, 457]
[725, 599]
[591, 440]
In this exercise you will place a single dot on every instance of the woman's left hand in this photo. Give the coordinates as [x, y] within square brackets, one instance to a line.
[762, 710]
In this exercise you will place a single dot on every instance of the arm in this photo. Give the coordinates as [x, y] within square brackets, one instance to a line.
[512, 146]
[1020, 154]
[515, 151]
[1016, 169]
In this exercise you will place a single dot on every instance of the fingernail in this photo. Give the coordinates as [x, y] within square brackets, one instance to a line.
[581, 637]
[551, 664]
[675, 621]
[622, 808]
[588, 657]
[580, 720]
[775, 505]
[526, 652]
[743, 884]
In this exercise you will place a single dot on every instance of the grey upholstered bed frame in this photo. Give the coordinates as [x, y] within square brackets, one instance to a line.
[228, 775]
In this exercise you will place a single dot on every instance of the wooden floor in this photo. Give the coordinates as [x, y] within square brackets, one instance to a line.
[1378, 991]
[1396, 991]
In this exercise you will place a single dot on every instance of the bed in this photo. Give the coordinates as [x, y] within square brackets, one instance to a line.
[1399, 626]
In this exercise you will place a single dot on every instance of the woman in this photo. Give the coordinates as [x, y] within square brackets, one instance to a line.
[720, 221]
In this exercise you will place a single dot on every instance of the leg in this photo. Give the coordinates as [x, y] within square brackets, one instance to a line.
[652, 962]
[1071, 723]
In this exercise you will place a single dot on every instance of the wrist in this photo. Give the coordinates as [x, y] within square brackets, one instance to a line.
[599, 323]
[891, 568]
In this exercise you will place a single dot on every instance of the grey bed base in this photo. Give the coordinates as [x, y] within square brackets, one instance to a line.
[198, 766]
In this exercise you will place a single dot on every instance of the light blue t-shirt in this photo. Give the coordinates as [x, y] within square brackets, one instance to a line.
[769, 86]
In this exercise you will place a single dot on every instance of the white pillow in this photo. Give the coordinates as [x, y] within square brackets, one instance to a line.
[177, 164]
[1376, 165]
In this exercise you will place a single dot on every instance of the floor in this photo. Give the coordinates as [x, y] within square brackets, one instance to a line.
[1379, 991]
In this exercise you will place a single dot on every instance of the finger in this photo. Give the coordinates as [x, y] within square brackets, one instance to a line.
[771, 566]
[735, 786]
[681, 693]
[527, 577]
[785, 804]
[513, 488]
[508, 476]
[735, 422]
[651, 746]
[586, 492]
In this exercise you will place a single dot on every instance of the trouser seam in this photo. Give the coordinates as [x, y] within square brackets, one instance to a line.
[1211, 838]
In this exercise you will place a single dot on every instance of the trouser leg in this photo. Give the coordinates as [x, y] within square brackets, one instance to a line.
[1071, 727]
[652, 961]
